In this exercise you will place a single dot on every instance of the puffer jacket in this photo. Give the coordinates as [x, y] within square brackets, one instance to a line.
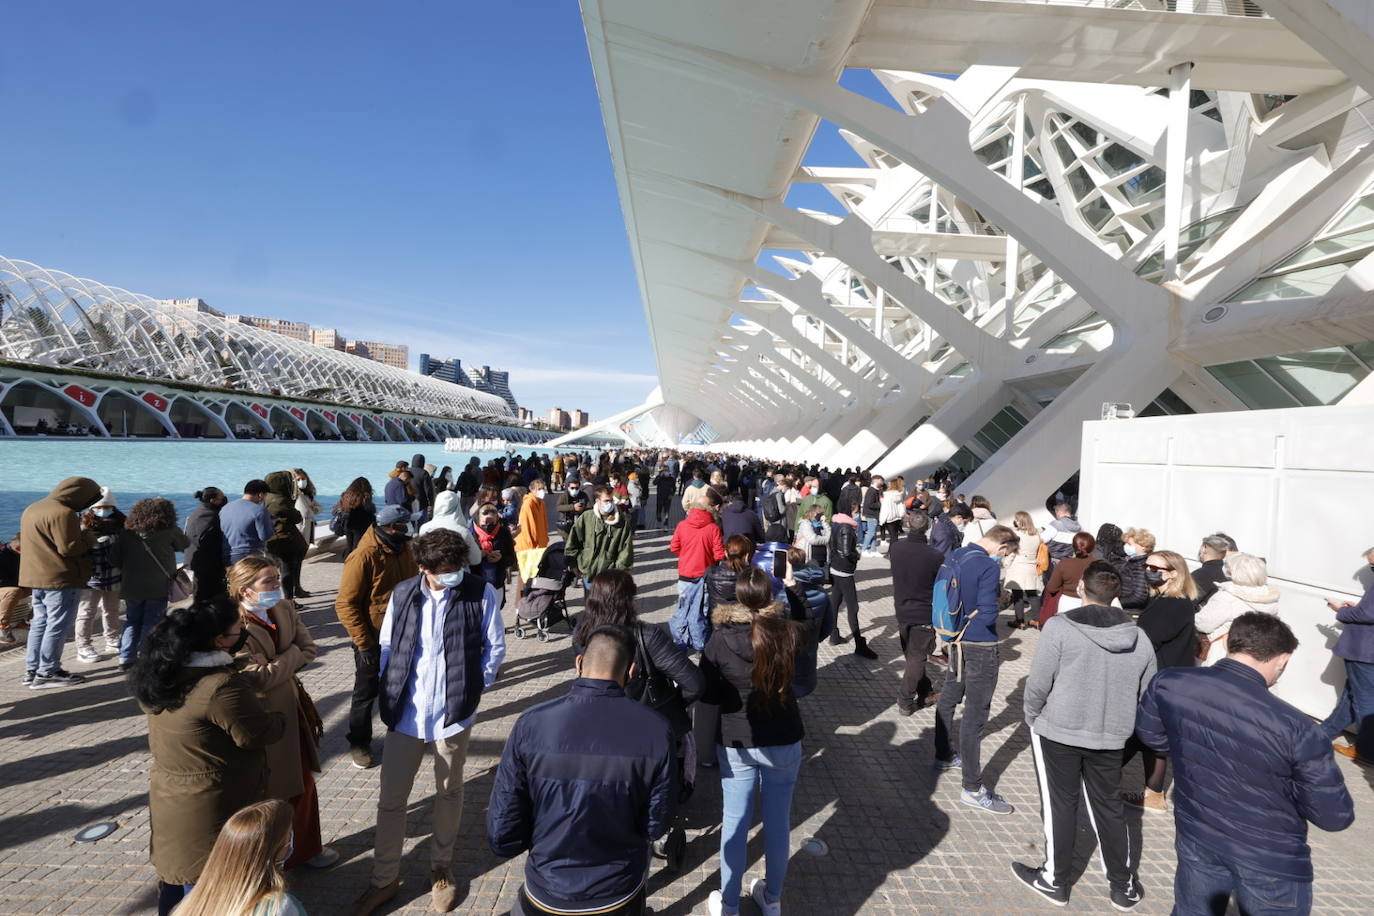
[810, 582]
[1135, 591]
[55, 552]
[844, 545]
[1249, 770]
[720, 585]
[728, 664]
[697, 543]
[588, 840]
[286, 541]
[1226, 604]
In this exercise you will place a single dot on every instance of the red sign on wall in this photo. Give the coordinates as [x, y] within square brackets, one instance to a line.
[80, 395]
[297, 413]
[357, 421]
[157, 402]
[259, 410]
[328, 415]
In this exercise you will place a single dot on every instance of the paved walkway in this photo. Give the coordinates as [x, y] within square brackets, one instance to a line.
[898, 840]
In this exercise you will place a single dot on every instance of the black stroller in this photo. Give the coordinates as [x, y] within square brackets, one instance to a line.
[544, 602]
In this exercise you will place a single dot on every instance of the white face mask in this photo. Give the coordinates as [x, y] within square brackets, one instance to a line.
[1131, 550]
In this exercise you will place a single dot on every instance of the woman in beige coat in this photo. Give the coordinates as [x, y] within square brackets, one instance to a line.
[1248, 589]
[278, 647]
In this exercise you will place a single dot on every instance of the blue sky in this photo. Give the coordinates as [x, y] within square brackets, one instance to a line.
[434, 174]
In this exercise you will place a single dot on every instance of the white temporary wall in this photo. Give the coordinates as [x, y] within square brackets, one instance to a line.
[1292, 486]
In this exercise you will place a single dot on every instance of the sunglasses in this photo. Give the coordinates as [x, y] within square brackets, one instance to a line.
[1158, 568]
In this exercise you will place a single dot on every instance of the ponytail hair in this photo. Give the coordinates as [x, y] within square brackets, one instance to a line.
[774, 638]
[739, 551]
[155, 675]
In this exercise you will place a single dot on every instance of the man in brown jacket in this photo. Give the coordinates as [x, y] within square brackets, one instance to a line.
[55, 563]
[380, 561]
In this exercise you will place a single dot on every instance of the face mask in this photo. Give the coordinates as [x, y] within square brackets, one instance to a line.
[450, 579]
[1131, 550]
[104, 513]
[605, 508]
[1154, 577]
[238, 643]
[573, 490]
[300, 484]
[267, 599]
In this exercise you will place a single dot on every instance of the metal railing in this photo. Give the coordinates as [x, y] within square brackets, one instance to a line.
[1249, 9]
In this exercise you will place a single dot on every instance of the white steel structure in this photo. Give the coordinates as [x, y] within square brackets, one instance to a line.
[1168, 203]
[226, 377]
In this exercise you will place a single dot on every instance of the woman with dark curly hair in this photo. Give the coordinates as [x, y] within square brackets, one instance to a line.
[206, 729]
[147, 553]
[354, 512]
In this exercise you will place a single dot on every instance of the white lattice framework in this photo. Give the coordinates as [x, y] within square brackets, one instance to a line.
[56, 320]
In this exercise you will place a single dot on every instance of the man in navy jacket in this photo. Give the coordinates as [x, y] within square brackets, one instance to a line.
[973, 665]
[1250, 772]
[586, 783]
[1356, 647]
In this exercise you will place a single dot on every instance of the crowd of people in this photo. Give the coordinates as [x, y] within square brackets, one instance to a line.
[1139, 654]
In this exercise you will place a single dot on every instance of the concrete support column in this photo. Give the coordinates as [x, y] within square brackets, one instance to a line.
[1016, 173]
[1176, 164]
[947, 429]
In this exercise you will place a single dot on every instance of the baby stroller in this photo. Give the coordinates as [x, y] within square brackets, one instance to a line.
[544, 602]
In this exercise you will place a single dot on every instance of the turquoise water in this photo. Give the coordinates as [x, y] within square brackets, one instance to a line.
[176, 469]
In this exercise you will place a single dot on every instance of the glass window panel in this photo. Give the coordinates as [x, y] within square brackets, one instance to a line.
[1153, 264]
[1361, 214]
[1365, 353]
[1066, 153]
[1155, 219]
[1086, 133]
[1030, 168]
[1316, 377]
[1096, 212]
[1144, 187]
[1116, 159]
[1310, 282]
[1351, 241]
[960, 370]
[964, 460]
[1043, 188]
[1249, 383]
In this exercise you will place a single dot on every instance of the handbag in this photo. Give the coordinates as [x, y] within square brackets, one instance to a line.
[310, 716]
[656, 690]
[1204, 645]
[180, 584]
[1042, 558]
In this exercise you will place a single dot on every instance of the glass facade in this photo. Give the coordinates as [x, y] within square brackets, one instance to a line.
[1312, 378]
[1316, 267]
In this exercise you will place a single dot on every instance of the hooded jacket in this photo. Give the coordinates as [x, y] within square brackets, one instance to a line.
[448, 513]
[1249, 770]
[534, 524]
[736, 518]
[595, 544]
[286, 541]
[423, 483]
[697, 543]
[55, 552]
[728, 664]
[1090, 668]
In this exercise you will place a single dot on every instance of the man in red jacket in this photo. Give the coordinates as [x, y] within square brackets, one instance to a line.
[698, 544]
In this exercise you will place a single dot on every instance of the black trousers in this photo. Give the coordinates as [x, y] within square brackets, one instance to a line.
[1022, 600]
[842, 588]
[972, 679]
[917, 643]
[291, 577]
[1066, 774]
[365, 687]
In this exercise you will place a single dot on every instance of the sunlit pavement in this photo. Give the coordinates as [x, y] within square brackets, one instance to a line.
[896, 839]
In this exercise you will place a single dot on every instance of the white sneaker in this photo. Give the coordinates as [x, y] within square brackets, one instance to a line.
[88, 656]
[112, 646]
[715, 906]
[759, 891]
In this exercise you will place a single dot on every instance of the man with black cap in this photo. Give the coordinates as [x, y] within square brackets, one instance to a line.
[380, 561]
[55, 564]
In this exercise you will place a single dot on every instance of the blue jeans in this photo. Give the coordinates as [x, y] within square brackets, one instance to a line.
[1356, 705]
[869, 529]
[741, 769]
[54, 614]
[139, 619]
[1204, 883]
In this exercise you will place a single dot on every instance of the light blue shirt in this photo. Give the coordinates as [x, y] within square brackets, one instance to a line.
[422, 702]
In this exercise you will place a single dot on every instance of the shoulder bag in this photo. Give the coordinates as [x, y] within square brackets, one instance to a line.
[657, 690]
[181, 584]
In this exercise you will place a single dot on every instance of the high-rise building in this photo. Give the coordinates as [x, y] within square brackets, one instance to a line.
[327, 337]
[580, 419]
[493, 381]
[524, 414]
[296, 330]
[559, 418]
[447, 370]
[384, 353]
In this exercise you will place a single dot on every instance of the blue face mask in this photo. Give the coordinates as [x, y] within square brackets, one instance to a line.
[451, 579]
[267, 599]
[104, 513]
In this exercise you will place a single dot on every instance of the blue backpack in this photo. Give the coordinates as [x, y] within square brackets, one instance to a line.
[949, 617]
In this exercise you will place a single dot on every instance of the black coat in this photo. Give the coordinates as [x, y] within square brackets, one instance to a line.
[848, 500]
[1208, 576]
[737, 518]
[205, 555]
[873, 503]
[945, 536]
[1135, 592]
[667, 659]
[728, 663]
[915, 564]
[720, 584]
[1169, 624]
[844, 548]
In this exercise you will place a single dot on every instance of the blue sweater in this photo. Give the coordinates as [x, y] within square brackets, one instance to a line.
[1250, 771]
[980, 580]
[246, 526]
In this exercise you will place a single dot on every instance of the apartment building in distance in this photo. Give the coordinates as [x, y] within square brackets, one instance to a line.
[396, 355]
[559, 419]
[580, 419]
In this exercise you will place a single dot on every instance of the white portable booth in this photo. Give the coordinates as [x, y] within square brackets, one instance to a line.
[1295, 487]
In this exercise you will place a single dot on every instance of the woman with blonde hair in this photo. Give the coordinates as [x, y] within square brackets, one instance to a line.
[1020, 576]
[891, 511]
[1168, 620]
[1247, 589]
[243, 876]
[278, 646]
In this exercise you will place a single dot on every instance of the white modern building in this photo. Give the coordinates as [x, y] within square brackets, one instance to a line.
[902, 234]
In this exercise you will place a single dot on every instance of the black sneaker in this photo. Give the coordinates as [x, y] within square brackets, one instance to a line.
[59, 678]
[1127, 899]
[1033, 879]
[27, 679]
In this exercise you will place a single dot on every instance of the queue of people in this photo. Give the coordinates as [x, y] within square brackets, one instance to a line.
[1137, 655]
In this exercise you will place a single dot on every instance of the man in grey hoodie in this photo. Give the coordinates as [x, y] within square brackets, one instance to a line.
[1090, 668]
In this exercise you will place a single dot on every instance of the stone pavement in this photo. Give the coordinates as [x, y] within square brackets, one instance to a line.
[898, 839]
